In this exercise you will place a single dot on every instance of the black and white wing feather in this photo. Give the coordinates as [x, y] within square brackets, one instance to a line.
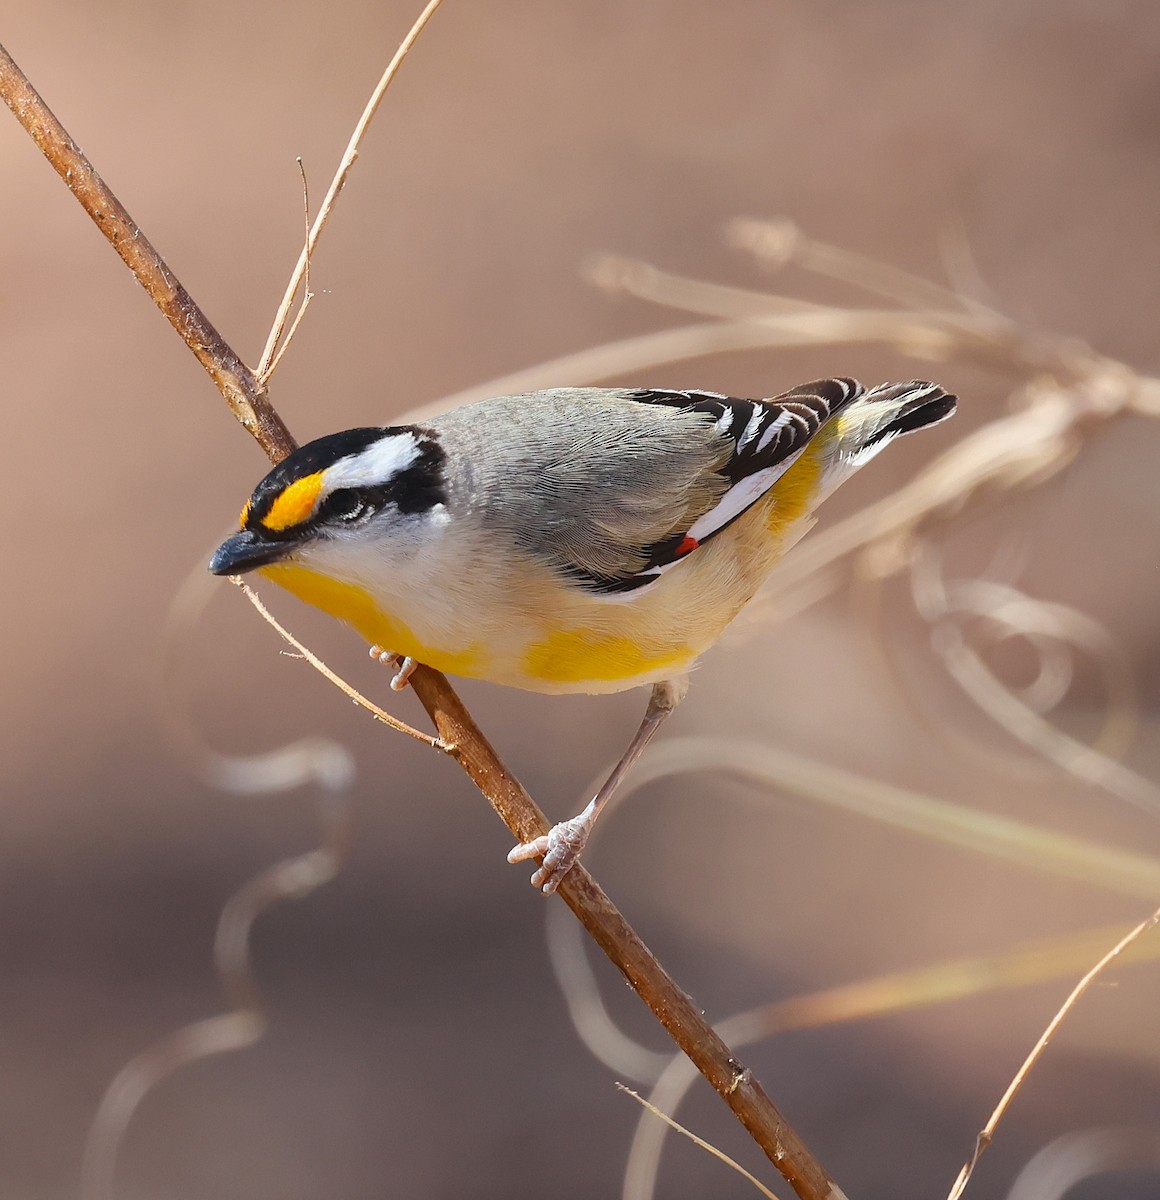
[613, 486]
[766, 436]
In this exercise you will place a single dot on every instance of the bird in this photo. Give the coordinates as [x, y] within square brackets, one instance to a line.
[569, 540]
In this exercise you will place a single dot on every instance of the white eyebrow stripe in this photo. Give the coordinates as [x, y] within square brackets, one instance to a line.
[379, 463]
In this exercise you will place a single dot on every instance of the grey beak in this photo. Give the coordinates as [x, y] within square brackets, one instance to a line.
[245, 551]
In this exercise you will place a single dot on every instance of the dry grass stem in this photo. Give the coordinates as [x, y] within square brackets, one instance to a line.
[271, 354]
[1001, 838]
[884, 995]
[1021, 721]
[340, 683]
[292, 878]
[774, 769]
[988, 1131]
[996, 612]
[940, 332]
[644, 281]
[309, 761]
[732, 1163]
[781, 242]
[307, 294]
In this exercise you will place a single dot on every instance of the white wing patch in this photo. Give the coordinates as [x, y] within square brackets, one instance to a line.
[738, 498]
[768, 437]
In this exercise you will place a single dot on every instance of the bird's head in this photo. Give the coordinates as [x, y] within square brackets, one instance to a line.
[336, 490]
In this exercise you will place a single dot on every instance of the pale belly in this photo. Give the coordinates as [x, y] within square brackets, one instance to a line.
[554, 639]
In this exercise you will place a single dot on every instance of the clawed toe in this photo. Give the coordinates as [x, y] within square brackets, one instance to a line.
[526, 850]
[560, 847]
[406, 666]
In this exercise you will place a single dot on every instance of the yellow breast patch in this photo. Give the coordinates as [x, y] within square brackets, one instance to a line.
[357, 607]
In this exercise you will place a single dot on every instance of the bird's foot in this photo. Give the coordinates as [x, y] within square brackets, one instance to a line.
[405, 666]
[560, 848]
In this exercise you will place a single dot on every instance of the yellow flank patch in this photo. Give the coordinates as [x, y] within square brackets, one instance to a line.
[295, 504]
[795, 493]
[357, 607]
[584, 655]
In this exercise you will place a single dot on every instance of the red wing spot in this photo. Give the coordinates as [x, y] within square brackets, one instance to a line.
[687, 546]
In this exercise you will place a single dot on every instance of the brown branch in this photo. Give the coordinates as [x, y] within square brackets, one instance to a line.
[238, 384]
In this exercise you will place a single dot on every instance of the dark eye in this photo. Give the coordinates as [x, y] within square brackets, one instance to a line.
[346, 505]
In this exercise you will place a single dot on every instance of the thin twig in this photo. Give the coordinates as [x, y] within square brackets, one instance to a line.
[698, 1141]
[865, 999]
[988, 1131]
[379, 714]
[733, 1081]
[269, 360]
[307, 294]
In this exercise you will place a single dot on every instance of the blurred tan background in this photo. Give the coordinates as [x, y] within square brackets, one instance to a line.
[418, 1045]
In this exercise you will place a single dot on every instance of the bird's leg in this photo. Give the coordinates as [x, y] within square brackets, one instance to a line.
[405, 666]
[562, 844]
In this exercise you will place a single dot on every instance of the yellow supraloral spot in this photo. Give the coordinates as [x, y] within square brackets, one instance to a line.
[245, 515]
[585, 655]
[358, 607]
[295, 504]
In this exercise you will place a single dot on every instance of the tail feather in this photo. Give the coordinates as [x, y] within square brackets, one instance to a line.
[893, 409]
[877, 417]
